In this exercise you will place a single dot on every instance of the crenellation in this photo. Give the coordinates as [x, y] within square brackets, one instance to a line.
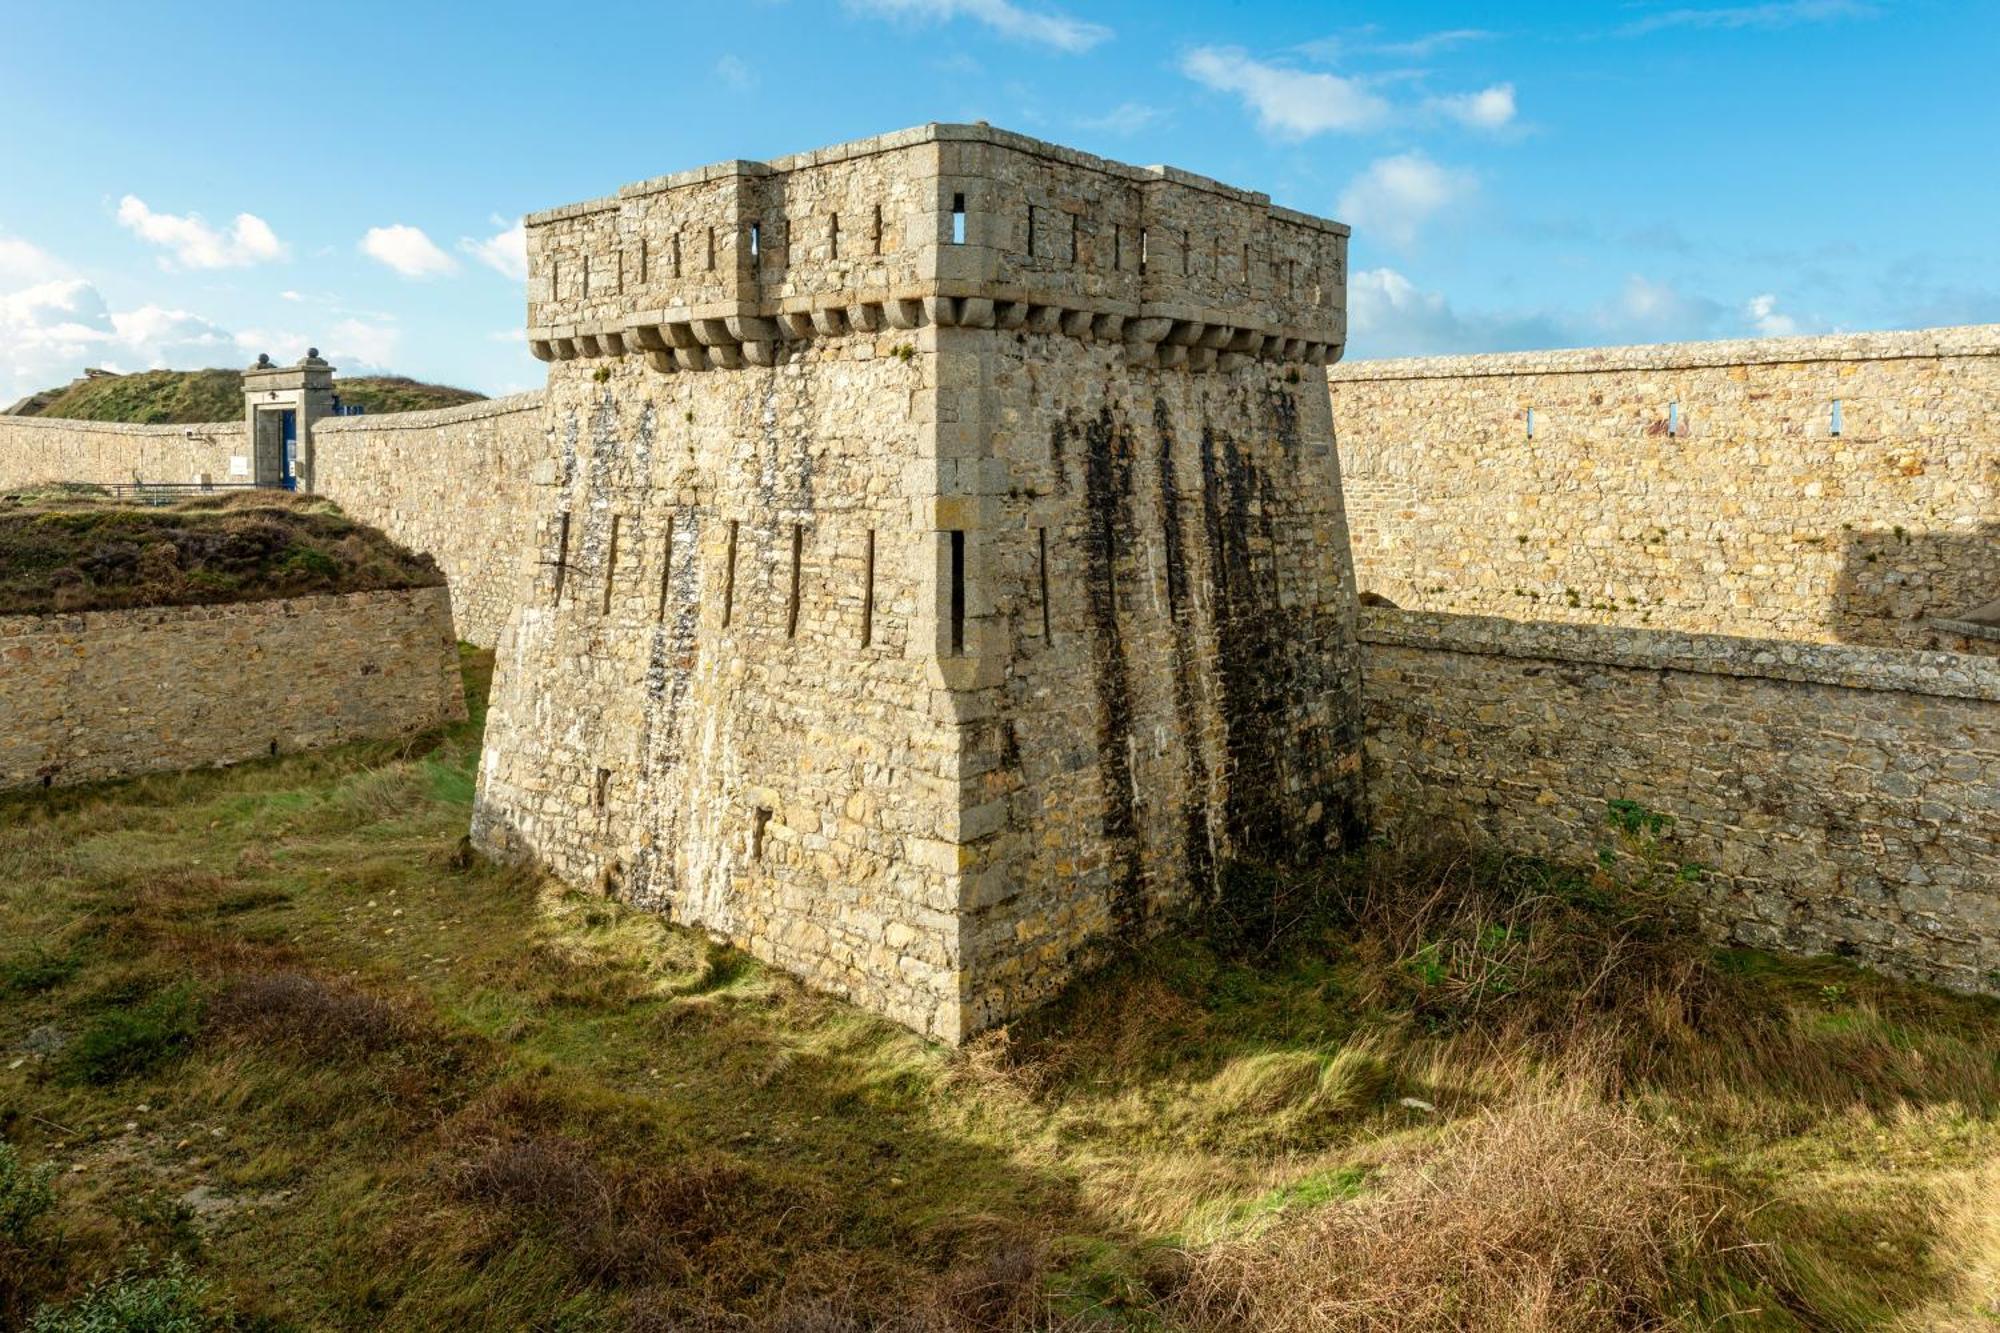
[742, 307]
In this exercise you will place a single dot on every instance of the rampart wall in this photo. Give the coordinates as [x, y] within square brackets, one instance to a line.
[460, 484]
[106, 694]
[1708, 487]
[34, 450]
[1841, 799]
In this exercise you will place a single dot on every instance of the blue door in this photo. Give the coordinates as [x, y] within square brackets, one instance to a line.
[291, 479]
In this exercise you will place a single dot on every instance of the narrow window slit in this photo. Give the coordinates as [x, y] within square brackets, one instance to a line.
[792, 601]
[957, 593]
[711, 249]
[1075, 226]
[868, 591]
[760, 820]
[666, 570]
[610, 564]
[1187, 252]
[1835, 425]
[1531, 423]
[562, 558]
[1042, 577]
[677, 254]
[1145, 250]
[729, 576]
[958, 219]
[875, 230]
[1031, 231]
[601, 794]
[1673, 418]
[586, 276]
[643, 265]
[756, 240]
[833, 236]
[1117, 247]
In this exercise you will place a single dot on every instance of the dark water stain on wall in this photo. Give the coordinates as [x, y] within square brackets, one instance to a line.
[1107, 481]
[1197, 838]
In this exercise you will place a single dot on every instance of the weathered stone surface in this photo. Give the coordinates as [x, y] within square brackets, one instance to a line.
[108, 694]
[457, 483]
[1755, 518]
[1841, 799]
[36, 450]
[926, 661]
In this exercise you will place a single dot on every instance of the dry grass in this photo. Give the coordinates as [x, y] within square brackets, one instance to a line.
[69, 552]
[1417, 1089]
[1552, 1216]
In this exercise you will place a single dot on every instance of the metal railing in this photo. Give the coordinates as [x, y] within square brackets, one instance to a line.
[166, 492]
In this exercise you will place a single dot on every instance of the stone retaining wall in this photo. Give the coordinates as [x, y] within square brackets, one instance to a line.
[1694, 486]
[1843, 799]
[34, 450]
[109, 694]
[457, 483]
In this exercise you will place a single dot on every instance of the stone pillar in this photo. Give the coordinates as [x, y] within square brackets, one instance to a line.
[270, 390]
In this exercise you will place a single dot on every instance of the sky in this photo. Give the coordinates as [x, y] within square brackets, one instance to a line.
[190, 184]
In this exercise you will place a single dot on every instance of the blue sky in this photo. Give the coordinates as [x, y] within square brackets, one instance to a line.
[190, 184]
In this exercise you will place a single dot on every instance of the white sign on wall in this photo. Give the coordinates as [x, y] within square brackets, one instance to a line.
[239, 466]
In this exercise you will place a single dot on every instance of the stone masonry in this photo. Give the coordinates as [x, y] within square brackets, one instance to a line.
[1841, 799]
[942, 569]
[108, 694]
[1834, 489]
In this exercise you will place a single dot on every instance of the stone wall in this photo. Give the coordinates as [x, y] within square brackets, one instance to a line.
[460, 484]
[34, 450]
[1843, 799]
[109, 694]
[927, 620]
[1697, 486]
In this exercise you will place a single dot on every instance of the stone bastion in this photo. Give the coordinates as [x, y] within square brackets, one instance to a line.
[942, 568]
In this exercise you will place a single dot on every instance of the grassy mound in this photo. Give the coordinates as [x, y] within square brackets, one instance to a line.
[162, 397]
[67, 549]
[272, 1030]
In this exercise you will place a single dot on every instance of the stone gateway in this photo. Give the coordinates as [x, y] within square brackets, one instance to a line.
[942, 570]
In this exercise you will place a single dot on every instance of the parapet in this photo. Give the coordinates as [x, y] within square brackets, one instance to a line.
[953, 225]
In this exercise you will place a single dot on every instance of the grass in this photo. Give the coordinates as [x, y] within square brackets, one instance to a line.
[286, 1057]
[161, 397]
[65, 551]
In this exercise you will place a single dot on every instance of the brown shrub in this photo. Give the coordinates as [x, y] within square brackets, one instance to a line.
[1551, 1217]
[319, 1017]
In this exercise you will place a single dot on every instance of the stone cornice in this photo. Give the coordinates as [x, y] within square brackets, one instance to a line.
[729, 335]
[433, 417]
[1961, 340]
[1910, 671]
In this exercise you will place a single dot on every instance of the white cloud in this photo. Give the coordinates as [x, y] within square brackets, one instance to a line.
[1290, 103]
[1125, 118]
[1489, 109]
[1431, 43]
[1048, 28]
[22, 262]
[735, 73]
[290, 296]
[356, 347]
[1389, 315]
[1395, 196]
[50, 331]
[1781, 14]
[192, 243]
[408, 251]
[505, 252]
[1765, 317]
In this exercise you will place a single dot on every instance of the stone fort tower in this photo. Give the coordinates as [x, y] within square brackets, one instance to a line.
[942, 568]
